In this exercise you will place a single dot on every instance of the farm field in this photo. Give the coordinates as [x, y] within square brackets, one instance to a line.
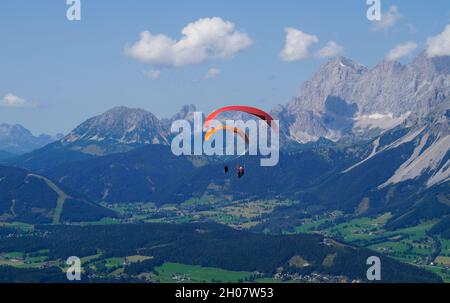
[174, 272]
[410, 245]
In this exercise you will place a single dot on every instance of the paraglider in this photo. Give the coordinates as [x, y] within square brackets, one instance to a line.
[240, 171]
[229, 128]
[236, 131]
[246, 109]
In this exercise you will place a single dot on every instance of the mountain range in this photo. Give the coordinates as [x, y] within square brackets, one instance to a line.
[120, 129]
[346, 98]
[371, 140]
[359, 142]
[343, 99]
[16, 139]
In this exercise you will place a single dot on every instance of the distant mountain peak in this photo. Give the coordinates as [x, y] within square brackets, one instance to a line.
[118, 129]
[120, 110]
[431, 66]
[185, 112]
[389, 89]
[188, 108]
[341, 62]
[13, 129]
[389, 64]
[16, 139]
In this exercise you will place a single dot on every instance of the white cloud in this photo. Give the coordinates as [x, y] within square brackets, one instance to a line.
[439, 45]
[152, 74]
[13, 101]
[204, 39]
[297, 44]
[388, 19]
[332, 49]
[212, 73]
[401, 50]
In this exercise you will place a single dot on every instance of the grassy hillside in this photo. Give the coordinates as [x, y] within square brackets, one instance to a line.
[30, 198]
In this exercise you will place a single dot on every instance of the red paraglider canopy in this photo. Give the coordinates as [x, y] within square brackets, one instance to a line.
[247, 109]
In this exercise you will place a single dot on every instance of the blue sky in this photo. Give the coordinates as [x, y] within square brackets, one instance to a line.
[66, 72]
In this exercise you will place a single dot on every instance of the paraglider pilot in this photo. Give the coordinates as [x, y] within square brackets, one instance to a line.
[240, 171]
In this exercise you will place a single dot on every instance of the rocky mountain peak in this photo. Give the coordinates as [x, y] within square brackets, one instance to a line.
[16, 139]
[345, 63]
[122, 125]
[388, 66]
[380, 98]
[431, 67]
[11, 130]
[124, 114]
[186, 112]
